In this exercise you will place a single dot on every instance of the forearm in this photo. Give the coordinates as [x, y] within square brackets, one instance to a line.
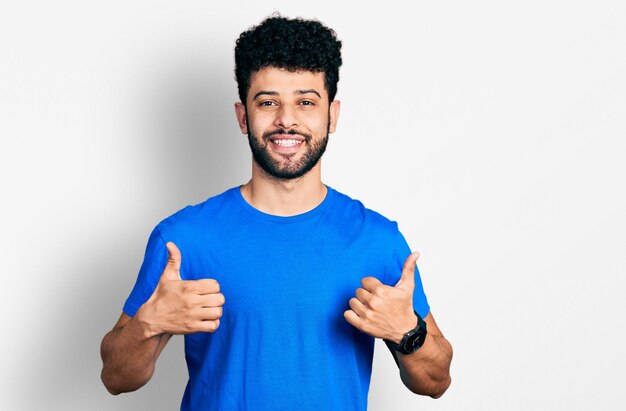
[129, 356]
[427, 371]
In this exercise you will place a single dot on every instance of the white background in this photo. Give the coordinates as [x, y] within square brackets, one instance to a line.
[493, 132]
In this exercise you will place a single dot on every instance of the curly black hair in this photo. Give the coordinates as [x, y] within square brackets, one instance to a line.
[292, 44]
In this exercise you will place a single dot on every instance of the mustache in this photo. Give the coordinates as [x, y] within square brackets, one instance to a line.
[268, 134]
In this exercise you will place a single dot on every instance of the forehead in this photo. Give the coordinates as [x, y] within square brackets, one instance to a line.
[284, 81]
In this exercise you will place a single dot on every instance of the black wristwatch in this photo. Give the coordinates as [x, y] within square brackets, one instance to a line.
[413, 339]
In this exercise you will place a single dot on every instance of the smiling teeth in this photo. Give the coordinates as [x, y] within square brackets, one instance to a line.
[286, 143]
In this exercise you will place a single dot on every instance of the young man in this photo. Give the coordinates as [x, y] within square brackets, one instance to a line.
[280, 285]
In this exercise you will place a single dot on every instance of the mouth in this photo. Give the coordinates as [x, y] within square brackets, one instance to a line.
[286, 143]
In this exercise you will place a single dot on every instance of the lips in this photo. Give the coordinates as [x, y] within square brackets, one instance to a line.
[286, 144]
[295, 137]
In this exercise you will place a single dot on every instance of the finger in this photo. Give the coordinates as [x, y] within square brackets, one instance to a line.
[203, 286]
[357, 306]
[207, 326]
[363, 295]
[407, 279]
[371, 283]
[210, 313]
[354, 320]
[208, 300]
[172, 268]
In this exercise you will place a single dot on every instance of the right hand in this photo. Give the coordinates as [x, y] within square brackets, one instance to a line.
[181, 307]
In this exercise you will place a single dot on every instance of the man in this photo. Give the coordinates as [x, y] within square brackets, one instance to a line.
[281, 285]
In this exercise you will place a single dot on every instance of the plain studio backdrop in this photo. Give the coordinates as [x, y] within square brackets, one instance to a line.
[493, 132]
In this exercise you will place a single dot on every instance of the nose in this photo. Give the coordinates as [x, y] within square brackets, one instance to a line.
[286, 117]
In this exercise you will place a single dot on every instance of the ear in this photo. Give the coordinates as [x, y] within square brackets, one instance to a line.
[240, 112]
[334, 115]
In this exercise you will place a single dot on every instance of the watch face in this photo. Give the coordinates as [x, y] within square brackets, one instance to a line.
[415, 341]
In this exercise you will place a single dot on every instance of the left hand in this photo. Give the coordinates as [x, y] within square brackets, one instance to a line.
[383, 311]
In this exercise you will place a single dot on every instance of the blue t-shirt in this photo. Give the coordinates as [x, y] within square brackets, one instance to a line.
[283, 342]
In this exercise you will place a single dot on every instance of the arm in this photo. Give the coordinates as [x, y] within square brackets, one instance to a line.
[129, 355]
[387, 312]
[130, 351]
[426, 371]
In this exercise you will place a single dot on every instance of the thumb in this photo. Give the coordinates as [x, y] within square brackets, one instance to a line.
[172, 268]
[407, 279]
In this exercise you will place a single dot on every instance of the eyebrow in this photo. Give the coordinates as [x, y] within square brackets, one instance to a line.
[267, 93]
[308, 91]
[275, 93]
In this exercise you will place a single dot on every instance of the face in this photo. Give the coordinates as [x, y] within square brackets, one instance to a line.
[287, 120]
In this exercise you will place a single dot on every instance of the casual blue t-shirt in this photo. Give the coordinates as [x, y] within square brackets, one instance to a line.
[283, 342]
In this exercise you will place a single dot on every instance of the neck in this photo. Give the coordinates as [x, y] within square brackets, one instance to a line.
[284, 197]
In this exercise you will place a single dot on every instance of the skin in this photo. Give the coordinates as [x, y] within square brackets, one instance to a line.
[130, 350]
[281, 105]
[288, 101]
[386, 312]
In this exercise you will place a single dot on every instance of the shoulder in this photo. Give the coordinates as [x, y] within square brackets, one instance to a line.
[198, 215]
[377, 237]
[354, 211]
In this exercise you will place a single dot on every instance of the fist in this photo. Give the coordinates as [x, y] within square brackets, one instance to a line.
[383, 311]
[182, 307]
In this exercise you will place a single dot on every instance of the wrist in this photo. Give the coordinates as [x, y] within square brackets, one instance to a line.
[144, 321]
[406, 326]
[413, 339]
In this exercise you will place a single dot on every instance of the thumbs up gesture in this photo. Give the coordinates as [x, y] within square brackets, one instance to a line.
[181, 307]
[383, 311]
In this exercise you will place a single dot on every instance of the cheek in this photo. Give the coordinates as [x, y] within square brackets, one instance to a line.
[260, 124]
[321, 125]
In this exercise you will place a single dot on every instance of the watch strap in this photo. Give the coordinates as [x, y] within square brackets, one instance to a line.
[413, 339]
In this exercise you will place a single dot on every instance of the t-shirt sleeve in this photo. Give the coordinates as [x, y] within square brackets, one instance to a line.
[400, 251]
[153, 264]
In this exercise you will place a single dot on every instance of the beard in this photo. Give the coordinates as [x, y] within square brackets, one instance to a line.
[288, 169]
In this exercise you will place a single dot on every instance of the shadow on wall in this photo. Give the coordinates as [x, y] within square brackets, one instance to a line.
[193, 151]
[202, 151]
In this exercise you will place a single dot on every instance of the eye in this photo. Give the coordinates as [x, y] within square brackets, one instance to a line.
[307, 103]
[267, 103]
